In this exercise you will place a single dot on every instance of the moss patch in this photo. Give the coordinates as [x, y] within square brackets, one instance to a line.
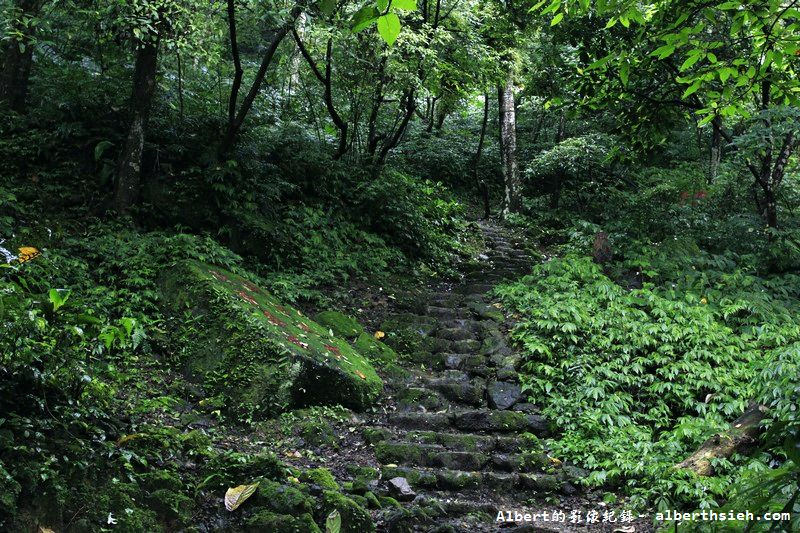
[342, 325]
[261, 354]
[377, 352]
[355, 519]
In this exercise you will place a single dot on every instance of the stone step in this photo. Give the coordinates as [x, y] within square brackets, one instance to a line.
[465, 441]
[461, 481]
[448, 313]
[456, 334]
[437, 456]
[475, 421]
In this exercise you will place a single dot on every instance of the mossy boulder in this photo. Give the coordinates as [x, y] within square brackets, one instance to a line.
[321, 477]
[340, 324]
[355, 519]
[377, 352]
[261, 354]
[266, 520]
[283, 499]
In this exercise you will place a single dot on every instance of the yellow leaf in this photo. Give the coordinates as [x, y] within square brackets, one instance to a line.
[26, 253]
[122, 440]
[703, 301]
[555, 461]
[235, 496]
[43, 529]
[379, 335]
[361, 374]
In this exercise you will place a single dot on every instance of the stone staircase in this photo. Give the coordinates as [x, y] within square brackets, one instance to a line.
[455, 437]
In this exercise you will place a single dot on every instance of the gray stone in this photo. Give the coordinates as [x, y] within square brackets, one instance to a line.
[400, 487]
[503, 394]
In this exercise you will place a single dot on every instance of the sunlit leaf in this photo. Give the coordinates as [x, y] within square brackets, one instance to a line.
[236, 496]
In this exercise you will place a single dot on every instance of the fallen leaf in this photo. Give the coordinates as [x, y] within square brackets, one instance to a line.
[235, 496]
[43, 529]
[333, 524]
[26, 253]
[379, 335]
[361, 374]
[125, 438]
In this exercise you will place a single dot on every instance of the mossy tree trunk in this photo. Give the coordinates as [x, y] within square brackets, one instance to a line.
[508, 148]
[129, 168]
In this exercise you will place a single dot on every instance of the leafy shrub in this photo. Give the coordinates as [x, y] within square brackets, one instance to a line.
[578, 165]
[416, 215]
[650, 372]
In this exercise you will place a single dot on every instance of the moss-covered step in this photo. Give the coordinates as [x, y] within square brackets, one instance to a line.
[261, 354]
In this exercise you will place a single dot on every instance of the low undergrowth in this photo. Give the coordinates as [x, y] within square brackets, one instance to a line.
[636, 379]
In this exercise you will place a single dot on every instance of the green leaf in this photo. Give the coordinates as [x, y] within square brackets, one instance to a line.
[383, 4]
[363, 18]
[691, 60]
[624, 70]
[58, 297]
[333, 524]
[389, 27]
[405, 5]
[692, 89]
[663, 52]
[557, 19]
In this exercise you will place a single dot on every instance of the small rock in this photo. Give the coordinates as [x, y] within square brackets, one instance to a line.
[503, 394]
[402, 489]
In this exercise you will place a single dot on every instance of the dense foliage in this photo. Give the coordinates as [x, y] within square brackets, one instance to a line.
[333, 152]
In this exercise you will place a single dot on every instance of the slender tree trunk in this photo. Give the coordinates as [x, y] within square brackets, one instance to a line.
[129, 167]
[483, 188]
[508, 136]
[558, 178]
[236, 118]
[479, 151]
[18, 55]
[393, 140]
[716, 149]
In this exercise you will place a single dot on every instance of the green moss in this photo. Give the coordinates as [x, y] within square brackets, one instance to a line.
[355, 519]
[317, 433]
[372, 500]
[341, 324]
[196, 441]
[388, 501]
[160, 479]
[283, 499]
[375, 435]
[377, 352]
[410, 335]
[171, 505]
[265, 520]
[321, 477]
[260, 354]
[391, 452]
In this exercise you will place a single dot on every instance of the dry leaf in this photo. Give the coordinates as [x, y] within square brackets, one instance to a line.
[361, 374]
[379, 335]
[235, 496]
[26, 253]
[122, 440]
[43, 529]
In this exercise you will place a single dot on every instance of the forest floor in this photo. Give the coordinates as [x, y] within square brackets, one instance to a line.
[452, 441]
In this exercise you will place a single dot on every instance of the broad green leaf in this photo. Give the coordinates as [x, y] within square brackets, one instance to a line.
[624, 69]
[389, 27]
[557, 19]
[405, 5]
[235, 496]
[663, 52]
[363, 18]
[383, 4]
[58, 297]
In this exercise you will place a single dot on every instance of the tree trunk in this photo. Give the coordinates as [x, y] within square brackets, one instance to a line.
[508, 137]
[479, 151]
[716, 149]
[18, 56]
[129, 168]
[236, 119]
[743, 433]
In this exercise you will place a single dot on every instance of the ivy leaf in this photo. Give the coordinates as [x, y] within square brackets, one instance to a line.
[389, 27]
[236, 496]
